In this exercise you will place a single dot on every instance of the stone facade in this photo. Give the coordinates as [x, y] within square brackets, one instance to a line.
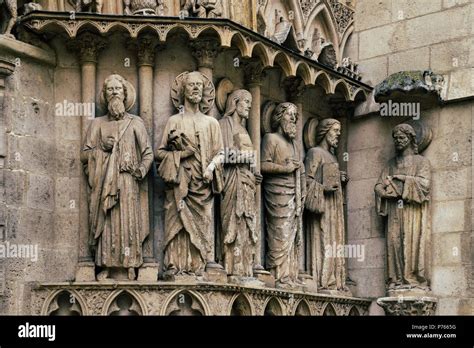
[311, 55]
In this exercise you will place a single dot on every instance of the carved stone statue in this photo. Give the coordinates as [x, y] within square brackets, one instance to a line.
[143, 7]
[94, 6]
[117, 156]
[190, 157]
[327, 56]
[403, 197]
[202, 8]
[238, 207]
[9, 16]
[284, 192]
[324, 205]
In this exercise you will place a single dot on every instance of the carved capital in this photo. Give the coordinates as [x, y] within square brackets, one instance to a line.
[6, 69]
[408, 306]
[253, 71]
[205, 51]
[88, 46]
[146, 47]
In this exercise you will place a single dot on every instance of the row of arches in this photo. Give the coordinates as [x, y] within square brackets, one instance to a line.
[181, 303]
[247, 46]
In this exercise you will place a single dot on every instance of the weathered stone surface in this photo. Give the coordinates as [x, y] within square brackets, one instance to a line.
[415, 59]
[406, 9]
[372, 14]
[448, 281]
[448, 216]
[40, 193]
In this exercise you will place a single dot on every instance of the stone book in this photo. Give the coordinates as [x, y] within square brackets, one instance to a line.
[331, 175]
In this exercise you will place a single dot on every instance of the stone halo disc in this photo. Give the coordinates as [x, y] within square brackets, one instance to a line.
[424, 134]
[309, 133]
[224, 88]
[267, 112]
[129, 101]
[208, 93]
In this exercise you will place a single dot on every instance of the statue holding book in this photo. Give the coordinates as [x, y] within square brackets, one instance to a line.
[403, 197]
[324, 205]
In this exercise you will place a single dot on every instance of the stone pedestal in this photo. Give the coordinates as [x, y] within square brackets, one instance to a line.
[85, 272]
[148, 272]
[406, 305]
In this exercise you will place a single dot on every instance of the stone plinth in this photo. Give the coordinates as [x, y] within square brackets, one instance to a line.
[192, 298]
[408, 305]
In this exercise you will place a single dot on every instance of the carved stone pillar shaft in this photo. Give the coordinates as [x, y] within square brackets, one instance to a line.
[253, 75]
[295, 89]
[6, 69]
[87, 46]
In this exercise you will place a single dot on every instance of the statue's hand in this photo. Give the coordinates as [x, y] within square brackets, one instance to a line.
[344, 177]
[292, 166]
[208, 176]
[186, 153]
[400, 177]
[328, 189]
[258, 178]
[109, 143]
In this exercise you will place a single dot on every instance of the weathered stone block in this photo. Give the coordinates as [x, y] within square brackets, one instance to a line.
[368, 47]
[374, 70]
[360, 194]
[448, 216]
[461, 84]
[370, 282]
[67, 194]
[448, 56]
[416, 59]
[40, 193]
[405, 9]
[370, 253]
[15, 187]
[446, 249]
[451, 184]
[370, 14]
[448, 281]
[358, 224]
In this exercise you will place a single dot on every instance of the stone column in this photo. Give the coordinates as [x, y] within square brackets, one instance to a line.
[146, 46]
[87, 46]
[295, 89]
[205, 51]
[6, 69]
[253, 76]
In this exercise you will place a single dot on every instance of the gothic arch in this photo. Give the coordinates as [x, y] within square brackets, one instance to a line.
[48, 302]
[273, 307]
[165, 308]
[135, 296]
[244, 302]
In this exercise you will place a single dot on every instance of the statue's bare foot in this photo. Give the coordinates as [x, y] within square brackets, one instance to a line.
[103, 275]
[131, 274]
[10, 36]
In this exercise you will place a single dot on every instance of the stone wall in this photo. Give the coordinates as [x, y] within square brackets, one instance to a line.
[391, 36]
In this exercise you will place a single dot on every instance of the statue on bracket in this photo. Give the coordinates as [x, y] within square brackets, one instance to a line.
[284, 193]
[9, 15]
[117, 156]
[403, 197]
[324, 205]
[238, 202]
[202, 8]
[94, 6]
[190, 162]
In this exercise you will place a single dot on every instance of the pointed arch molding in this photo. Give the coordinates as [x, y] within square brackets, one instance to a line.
[230, 35]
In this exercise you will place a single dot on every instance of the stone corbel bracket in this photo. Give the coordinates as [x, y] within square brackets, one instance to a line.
[230, 35]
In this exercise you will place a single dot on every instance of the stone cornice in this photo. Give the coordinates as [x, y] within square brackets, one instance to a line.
[10, 48]
[229, 33]
[203, 287]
